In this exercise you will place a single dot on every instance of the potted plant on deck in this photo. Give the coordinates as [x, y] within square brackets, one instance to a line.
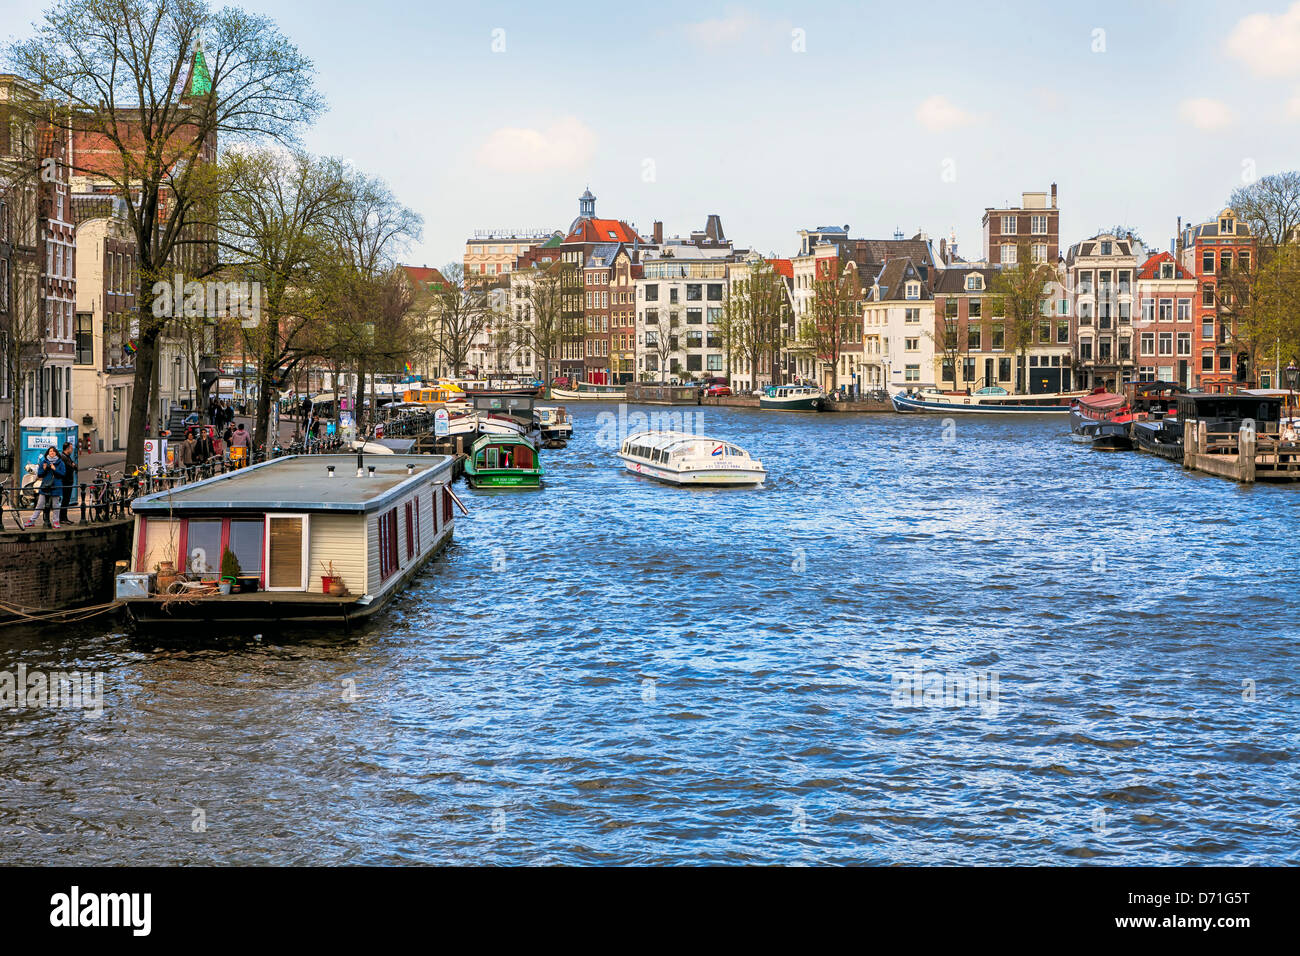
[229, 571]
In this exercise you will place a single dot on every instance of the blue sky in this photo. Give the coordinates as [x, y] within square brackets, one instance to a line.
[892, 115]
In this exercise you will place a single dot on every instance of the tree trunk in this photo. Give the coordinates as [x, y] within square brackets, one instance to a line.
[146, 355]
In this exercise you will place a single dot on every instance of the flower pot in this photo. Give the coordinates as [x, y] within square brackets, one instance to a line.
[224, 586]
[248, 584]
[336, 587]
[325, 583]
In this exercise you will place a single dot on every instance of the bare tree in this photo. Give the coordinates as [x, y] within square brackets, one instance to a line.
[276, 209]
[1017, 295]
[1271, 205]
[132, 75]
[542, 292]
[835, 311]
[459, 311]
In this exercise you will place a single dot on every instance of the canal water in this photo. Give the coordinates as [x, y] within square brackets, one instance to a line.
[920, 642]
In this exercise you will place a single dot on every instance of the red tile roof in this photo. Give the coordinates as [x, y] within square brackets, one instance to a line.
[423, 274]
[783, 267]
[1151, 268]
[602, 230]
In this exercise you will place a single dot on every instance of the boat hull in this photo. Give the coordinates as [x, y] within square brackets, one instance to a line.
[791, 405]
[1154, 439]
[500, 478]
[972, 406]
[585, 395]
[697, 477]
[1100, 433]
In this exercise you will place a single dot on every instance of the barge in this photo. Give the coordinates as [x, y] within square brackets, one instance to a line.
[277, 535]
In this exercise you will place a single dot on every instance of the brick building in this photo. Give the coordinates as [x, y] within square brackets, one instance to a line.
[1035, 222]
[1212, 252]
[1164, 323]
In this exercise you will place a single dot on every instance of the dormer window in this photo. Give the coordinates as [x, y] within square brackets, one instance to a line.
[1226, 226]
[1105, 248]
[1167, 270]
[974, 283]
[913, 290]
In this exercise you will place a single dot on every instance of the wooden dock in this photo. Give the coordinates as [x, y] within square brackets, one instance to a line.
[1242, 455]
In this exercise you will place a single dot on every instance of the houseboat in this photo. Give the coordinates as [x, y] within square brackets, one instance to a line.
[679, 458]
[313, 539]
[1102, 420]
[553, 422]
[991, 400]
[648, 393]
[503, 461]
[586, 391]
[792, 398]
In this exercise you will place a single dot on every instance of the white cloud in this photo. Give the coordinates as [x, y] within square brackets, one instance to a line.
[1268, 45]
[1205, 113]
[738, 26]
[564, 144]
[938, 113]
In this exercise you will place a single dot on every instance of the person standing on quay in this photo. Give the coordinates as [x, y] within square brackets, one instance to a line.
[49, 476]
[69, 478]
[239, 442]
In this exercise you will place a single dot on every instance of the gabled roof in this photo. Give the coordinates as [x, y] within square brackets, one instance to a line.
[420, 275]
[602, 256]
[1151, 268]
[1092, 247]
[602, 230]
[869, 251]
[891, 283]
[952, 281]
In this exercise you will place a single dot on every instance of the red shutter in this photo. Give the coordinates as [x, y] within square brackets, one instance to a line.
[410, 533]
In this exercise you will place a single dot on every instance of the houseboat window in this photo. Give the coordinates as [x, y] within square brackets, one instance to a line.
[285, 552]
[410, 533]
[246, 543]
[203, 545]
[387, 543]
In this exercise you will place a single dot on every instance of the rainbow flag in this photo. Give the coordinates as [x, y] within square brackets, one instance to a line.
[130, 346]
[409, 370]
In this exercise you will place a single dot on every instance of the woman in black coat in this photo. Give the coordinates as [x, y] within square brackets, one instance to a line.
[49, 477]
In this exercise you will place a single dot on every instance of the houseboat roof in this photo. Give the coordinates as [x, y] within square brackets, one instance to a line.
[507, 438]
[301, 483]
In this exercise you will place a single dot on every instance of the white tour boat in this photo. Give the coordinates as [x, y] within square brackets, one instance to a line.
[682, 459]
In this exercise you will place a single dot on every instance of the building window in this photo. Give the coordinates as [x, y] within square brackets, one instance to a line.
[1207, 361]
[911, 315]
[387, 544]
[1038, 225]
[1085, 349]
[973, 338]
[1106, 248]
[1008, 225]
[1207, 262]
[1166, 342]
[1008, 255]
[911, 345]
[914, 290]
[1148, 310]
[1147, 343]
[1166, 310]
[1184, 343]
[974, 283]
[912, 373]
[1184, 310]
[85, 340]
[1040, 252]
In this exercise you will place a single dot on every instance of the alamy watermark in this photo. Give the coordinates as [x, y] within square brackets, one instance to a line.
[923, 688]
[209, 299]
[56, 690]
[614, 428]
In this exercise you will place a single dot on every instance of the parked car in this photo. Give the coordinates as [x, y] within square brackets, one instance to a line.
[713, 390]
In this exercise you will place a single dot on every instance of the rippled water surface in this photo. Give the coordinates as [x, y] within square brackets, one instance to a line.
[616, 671]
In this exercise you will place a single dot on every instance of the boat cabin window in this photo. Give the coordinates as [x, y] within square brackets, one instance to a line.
[203, 545]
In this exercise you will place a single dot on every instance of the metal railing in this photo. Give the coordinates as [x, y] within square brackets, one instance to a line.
[108, 497]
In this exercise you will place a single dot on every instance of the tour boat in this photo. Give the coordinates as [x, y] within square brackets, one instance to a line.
[989, 400]
[792, 398]
[586, 391]
[679, 458]
[503, 461]
[1102, 419]
[277, 529]
[553, 422]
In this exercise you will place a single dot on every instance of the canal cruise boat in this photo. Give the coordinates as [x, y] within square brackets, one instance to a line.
[1102, 420]
[311, 539]
[553, 422]
[503, 461]
[792, 398]
[990, 400]
[679, 458]
[590, 392]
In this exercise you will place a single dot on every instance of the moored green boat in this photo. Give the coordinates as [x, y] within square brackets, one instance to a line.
[503, 461]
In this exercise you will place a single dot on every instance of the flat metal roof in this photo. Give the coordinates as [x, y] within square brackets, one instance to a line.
[302, 483]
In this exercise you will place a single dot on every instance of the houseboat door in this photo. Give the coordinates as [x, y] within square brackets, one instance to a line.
[286, 552]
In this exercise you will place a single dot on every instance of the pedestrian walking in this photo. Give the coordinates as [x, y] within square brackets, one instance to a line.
[240, 441]
[49, 479]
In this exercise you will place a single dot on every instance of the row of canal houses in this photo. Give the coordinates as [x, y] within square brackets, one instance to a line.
[651, 308]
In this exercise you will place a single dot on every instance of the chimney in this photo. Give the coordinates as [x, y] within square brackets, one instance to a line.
[658, 232]
[1053, 195]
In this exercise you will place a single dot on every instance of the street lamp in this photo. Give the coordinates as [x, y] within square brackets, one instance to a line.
[1292, 375]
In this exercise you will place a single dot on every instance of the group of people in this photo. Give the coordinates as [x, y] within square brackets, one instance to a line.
[56, 475]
